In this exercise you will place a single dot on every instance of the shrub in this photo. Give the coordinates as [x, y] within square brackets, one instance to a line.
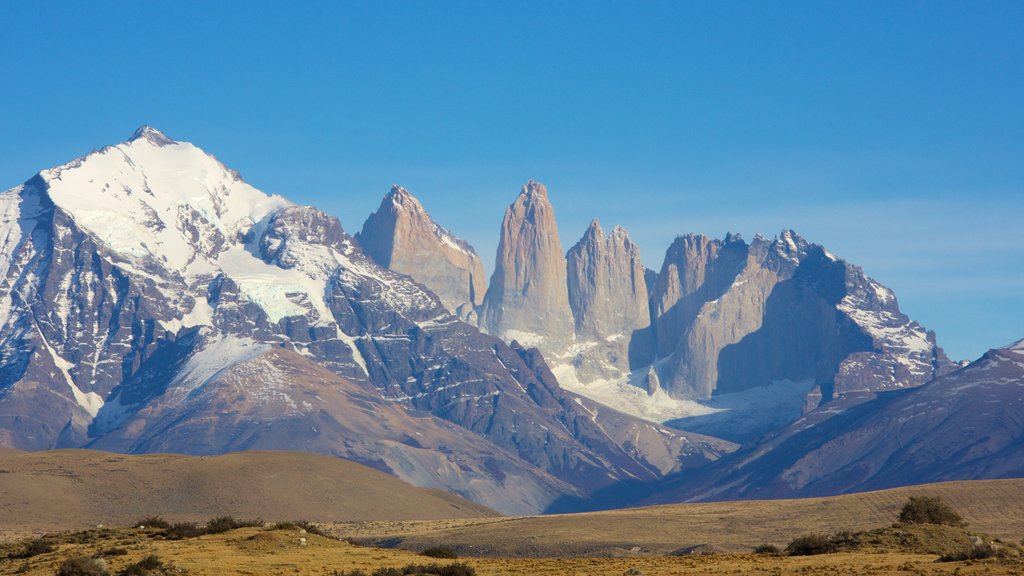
[144, 567]
[224, 523]
[974, 553]
[34, 548]
[810, 545]
[112, 552]
[183, 530]
[440, 552]
[302, 524]
[154, 522]
[455, 569]
[768, 550]
[82, 566]
[929, 510]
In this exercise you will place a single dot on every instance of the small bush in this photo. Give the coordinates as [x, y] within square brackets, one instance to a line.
[34, 548]
[440, 552]
[811, 545]
[301, 524]
[82, 566]
[144, 567]
[222, 524]
[767, 550]
[112, 552]
[455, 569]
[929, 510]
[154, 522]
[974, 553]
[183, 530]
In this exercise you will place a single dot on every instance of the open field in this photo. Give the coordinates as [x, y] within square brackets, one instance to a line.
[256, 551]
[75, 489]
[994, 507]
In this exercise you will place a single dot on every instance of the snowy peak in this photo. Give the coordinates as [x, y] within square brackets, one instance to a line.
[155, 200]
[151, 135]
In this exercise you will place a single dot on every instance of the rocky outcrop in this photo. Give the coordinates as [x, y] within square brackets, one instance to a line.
[401, 236]
[607, 291]
[527, 299]
[608, 298]
[730, 316]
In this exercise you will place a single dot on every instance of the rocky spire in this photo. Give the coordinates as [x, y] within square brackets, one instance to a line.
[527, 299]
[401, 236]
[607, 291]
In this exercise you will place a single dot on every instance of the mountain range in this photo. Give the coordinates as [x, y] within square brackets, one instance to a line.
[153, 301]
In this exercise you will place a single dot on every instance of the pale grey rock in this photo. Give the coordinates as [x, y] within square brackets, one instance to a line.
[608, 298]
[527, 299]
[401, 236]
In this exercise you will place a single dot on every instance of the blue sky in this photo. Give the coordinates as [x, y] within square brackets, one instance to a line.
[890, 132]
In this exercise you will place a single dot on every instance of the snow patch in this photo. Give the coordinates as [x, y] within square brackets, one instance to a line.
[625, 395]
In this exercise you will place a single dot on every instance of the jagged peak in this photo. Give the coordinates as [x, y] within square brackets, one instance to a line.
[532, 189]
[151, 135]
[400, 197]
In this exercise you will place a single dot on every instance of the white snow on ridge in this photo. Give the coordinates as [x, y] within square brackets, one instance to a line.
[10, 237]
[218, 353]
[135, 212]
[626, 397]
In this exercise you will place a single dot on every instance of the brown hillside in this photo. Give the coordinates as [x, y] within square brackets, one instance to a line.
[68, 489]
[995, 507]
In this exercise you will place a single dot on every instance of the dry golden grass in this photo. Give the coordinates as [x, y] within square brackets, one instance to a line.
[75, 489]
[995, 507]
[256, 552]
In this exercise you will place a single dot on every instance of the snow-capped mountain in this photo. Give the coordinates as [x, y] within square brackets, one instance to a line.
[146, 288]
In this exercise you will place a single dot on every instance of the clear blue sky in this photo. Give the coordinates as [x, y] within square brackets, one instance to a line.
[892, 133]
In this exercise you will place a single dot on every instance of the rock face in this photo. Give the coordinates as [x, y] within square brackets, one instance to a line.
[608, 298]
[731, 316]
[528, 299]
[968, 424]
[401, 236]
[150, 299]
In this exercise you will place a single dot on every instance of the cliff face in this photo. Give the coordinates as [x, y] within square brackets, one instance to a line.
[608, 298]
[527, 299]
[401, 236]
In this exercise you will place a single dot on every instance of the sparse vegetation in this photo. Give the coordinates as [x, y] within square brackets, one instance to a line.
[445, 552]
[455, 569]
[83, 566]
[33, 548]
[974, 553]
[219, 525]
[301, 525]
[929, 510]
[153, 522]
[145, 567]
[767, 550]
[811, 545]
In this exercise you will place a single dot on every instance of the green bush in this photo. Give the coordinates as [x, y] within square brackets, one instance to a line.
[811, 545]
[82, 566]
[440, 552]
[929, 510]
